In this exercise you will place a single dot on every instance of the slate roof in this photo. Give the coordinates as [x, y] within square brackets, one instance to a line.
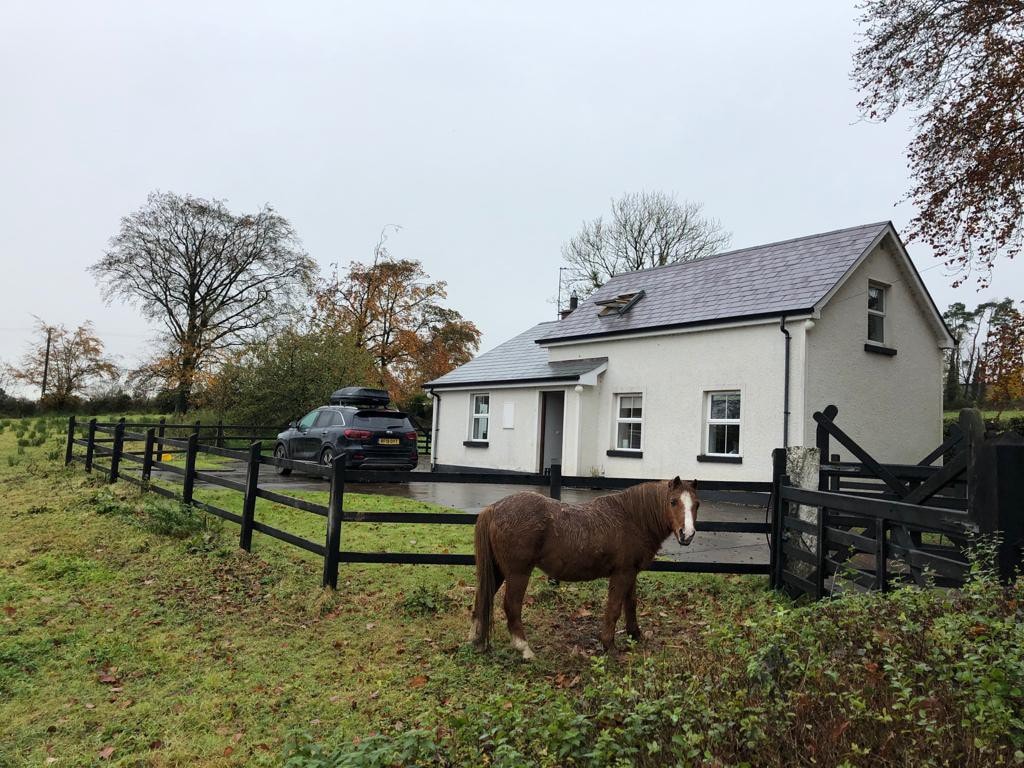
[774, 279]
[517, 360]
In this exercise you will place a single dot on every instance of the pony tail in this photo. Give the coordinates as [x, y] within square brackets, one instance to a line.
[483, 607]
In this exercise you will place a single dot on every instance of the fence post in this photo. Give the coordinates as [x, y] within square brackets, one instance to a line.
[1009, 507]
[821, 440]
[90, 446]
[71, 440]
[819, 556]
[334, 512]
[220, 433]
[147, 455]
[556, 481]
[881, 555]
[160, 438]
[188, 485]
[252, 479]
[775, 552]
[196, 428]
[115, 457]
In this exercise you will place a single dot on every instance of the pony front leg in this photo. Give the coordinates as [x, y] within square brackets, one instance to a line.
[618, 587]
[515, 591]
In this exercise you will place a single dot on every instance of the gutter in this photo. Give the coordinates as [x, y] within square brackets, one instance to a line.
[707, 323]
[785, 385]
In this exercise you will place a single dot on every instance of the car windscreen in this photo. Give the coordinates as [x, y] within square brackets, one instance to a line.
[381, 420]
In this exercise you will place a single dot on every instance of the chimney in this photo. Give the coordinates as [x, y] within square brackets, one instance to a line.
[574, 302]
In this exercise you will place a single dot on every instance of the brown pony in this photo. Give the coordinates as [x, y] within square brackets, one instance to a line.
[615, 536]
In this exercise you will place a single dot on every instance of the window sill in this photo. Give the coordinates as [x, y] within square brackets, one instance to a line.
[625, 454]
[720, 459]
[475, 443]
[878, 349]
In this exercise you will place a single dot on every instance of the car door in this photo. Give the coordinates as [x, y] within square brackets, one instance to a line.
[319, 433]
[303, 445]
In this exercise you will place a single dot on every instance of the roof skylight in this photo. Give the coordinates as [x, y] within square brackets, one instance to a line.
[619, 305]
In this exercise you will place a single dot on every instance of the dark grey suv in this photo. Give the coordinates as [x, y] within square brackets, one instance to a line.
[368, 438]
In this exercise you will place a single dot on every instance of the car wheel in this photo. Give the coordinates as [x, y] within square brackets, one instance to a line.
[326, 456]
[279, 453]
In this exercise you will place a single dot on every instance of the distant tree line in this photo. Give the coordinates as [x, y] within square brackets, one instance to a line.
[985, 367]
[249, 328]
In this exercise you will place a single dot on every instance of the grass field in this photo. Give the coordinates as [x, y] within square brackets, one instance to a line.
[134, 632]
[987, 415]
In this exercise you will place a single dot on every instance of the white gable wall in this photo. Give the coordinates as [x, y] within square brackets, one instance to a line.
[892, 406]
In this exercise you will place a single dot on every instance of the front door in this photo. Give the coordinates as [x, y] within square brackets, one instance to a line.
[552, 416]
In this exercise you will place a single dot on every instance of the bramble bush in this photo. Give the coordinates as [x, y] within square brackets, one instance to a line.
[912, 677]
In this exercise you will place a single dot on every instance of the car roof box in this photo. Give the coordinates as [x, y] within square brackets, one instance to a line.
[377, 398]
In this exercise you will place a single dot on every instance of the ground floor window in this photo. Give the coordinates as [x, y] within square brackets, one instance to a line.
[629, 422]
[481, 417]
[723, 423]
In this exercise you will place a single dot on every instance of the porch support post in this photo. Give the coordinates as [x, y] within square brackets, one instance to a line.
[572, 431]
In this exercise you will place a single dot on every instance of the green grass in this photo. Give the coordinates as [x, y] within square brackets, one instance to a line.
[133, 631]
[989, 414]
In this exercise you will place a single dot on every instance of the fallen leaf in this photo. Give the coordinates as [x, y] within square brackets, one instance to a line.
[155, 744]
[51, 760]
[90, 706]
[237, 737]
[229, 751]
[507, 705]
[106, 753]
[583, 613]
[9, 610]
[418, 682]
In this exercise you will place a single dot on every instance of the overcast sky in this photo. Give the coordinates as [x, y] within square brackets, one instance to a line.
[487, 131]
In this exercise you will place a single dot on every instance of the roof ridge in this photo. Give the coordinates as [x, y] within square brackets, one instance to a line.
[736, 251]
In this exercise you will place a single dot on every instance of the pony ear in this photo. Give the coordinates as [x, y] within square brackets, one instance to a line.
[694, 484]
[676, 482]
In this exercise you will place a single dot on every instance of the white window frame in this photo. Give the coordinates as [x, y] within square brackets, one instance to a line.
[616, 404]
[878, 313]
[474, 417]
[709, 421]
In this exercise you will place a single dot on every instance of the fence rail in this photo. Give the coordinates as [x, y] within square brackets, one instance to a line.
[156, 440]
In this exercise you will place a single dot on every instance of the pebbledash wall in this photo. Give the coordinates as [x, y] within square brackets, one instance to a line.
[891, 404]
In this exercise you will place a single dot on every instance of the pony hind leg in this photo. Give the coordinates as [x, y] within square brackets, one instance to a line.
[618, 588]
[632, 627]
[515, 591]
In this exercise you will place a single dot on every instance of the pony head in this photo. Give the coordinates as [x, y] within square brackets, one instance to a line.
[682, 509]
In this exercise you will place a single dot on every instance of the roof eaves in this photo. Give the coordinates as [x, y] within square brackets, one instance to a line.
[567, 377]
[673, 326]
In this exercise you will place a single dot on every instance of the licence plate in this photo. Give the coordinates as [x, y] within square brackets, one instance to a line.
[389, 441]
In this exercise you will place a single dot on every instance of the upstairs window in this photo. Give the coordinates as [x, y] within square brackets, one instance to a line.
[618, 305]
[629, 422]
[876, 313]
[481, 417]
[723, 423]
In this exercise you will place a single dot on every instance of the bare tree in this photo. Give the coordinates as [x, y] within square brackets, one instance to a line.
[74, 361]
[646, 229]
[211, 278]
[956, 65]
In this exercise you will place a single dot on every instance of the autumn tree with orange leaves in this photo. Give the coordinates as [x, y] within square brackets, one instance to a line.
[1002, 367]
[392, 309]
[957, 66]
[76, 362]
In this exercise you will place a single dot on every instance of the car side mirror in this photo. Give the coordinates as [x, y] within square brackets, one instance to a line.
[291, 425]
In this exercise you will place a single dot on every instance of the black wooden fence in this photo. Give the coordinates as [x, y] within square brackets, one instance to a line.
[870, 525]
[108, 441]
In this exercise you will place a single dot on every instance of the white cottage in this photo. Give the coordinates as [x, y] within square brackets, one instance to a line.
[700, 369]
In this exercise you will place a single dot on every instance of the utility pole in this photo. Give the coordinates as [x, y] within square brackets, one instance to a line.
[46, 362]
